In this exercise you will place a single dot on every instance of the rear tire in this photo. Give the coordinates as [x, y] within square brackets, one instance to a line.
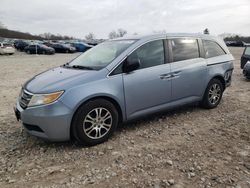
[213, 94]
[94, 122]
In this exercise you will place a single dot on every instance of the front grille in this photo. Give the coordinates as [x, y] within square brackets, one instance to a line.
[24, 99]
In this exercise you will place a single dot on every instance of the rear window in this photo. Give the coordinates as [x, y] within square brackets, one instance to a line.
[184, 49]
[212, 49]
[247, 51]
[7, 45]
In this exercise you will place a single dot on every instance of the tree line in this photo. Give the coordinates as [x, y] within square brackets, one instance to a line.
[7, 33]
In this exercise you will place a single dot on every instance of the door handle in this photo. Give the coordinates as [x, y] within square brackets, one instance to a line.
[165, 76]
[175, 74]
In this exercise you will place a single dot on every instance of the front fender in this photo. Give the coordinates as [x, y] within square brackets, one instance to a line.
[111, 87]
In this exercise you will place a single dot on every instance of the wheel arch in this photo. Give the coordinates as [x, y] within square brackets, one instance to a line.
[108, 98]
[222, 80]
[219, 77]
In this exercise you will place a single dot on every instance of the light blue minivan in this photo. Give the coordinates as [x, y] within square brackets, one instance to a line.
[123, 79]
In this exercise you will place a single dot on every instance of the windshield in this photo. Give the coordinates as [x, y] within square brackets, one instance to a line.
[101, 55]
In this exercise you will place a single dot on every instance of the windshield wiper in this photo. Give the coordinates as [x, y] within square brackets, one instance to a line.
[77, 66]
[66, 65]
[81, 67]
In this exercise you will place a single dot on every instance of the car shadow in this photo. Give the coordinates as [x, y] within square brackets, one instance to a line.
[155, 117]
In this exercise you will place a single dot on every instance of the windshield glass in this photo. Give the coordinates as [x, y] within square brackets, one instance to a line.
[101, 55]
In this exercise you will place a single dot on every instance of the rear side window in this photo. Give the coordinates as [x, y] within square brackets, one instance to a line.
[212, 49]
[184, 48]
[150, 54]
[247, 51]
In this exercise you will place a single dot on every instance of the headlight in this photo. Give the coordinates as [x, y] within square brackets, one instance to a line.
[41, 99]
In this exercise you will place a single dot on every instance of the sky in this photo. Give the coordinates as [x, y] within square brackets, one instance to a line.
[79, 17]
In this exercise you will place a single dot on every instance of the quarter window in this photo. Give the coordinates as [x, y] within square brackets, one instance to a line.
[150, 54]
[212, 49]
[184, 49]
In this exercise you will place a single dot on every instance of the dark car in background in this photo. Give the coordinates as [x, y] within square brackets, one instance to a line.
[49, 44]
[246, 70]
[21, 44]
[245, 56]
[39, 49]
[63, 48]
[81, 46]
[235, 43]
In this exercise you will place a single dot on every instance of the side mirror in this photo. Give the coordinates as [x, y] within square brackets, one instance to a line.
[131, 65]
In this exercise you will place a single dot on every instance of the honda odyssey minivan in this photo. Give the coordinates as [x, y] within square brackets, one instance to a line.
[122, 79]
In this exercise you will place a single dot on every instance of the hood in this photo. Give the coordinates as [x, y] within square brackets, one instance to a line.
[56, 79]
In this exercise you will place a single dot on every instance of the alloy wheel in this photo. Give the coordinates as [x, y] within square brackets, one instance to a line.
[97, 123]
[214, 93]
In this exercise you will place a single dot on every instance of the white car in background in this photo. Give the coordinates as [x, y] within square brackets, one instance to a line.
[6, 48]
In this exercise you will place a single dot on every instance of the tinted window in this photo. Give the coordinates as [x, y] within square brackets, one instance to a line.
[184, 49]
[247, 51]
[118, 70]
[7, 45]
[150, 54]
[212, 49]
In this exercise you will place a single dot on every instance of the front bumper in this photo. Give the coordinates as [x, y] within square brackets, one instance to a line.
[246, 70]
[246, 73]
[50, 122]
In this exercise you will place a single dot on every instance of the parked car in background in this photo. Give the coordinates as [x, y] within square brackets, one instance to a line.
[39, 49]
[235, 43]
[245, 56]
[63, 48]
[21, 44]
[92, 43]
[6, 48]
[123, 79]
[246, 70]
[81, 46]
[49, 44]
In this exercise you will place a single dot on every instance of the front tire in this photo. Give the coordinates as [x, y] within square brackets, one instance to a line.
[94, 122]
[213, 94]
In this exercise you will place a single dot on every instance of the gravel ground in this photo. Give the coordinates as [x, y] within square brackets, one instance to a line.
[185, 147]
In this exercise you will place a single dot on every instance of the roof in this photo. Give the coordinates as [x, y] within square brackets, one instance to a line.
[155, 36]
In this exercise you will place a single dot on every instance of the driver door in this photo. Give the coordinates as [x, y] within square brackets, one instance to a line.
[149, 86]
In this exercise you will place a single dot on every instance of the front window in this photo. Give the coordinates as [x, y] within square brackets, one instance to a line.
[150, 54]
[101, 55]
